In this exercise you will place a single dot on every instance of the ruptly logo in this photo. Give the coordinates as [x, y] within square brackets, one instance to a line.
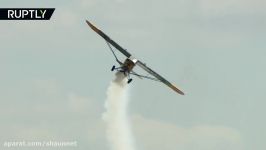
[26, 13]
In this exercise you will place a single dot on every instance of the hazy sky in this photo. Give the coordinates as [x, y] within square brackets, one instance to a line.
[54, 74]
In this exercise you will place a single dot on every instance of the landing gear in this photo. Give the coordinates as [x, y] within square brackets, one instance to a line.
[123, 70]
[113, 68]
[129, 80]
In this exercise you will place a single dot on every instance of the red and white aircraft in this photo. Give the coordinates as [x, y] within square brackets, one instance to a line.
[127, 66]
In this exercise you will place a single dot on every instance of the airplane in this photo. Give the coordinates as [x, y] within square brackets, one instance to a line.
[130, 62]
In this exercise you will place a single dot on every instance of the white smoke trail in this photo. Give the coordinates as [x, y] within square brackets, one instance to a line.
[118, 127]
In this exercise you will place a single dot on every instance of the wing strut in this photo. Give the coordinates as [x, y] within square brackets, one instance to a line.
[142, 76]
[109, 40]
[113, 53]
[156, 75]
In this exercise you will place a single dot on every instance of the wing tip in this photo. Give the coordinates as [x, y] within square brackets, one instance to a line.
[87, 22]
[177, 90]
[92, 26]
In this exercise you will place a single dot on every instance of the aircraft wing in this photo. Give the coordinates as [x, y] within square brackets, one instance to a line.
[109, 40]
[160, 78]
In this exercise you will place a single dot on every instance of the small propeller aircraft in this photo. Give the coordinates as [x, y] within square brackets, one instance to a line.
[127, 66]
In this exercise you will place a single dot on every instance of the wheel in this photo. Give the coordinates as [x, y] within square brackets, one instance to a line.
[129, 80]
[113, 68]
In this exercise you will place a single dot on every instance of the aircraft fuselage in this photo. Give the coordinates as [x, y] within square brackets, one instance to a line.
[128, 64]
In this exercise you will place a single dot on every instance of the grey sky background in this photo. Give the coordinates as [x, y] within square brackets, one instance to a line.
[54, 74]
